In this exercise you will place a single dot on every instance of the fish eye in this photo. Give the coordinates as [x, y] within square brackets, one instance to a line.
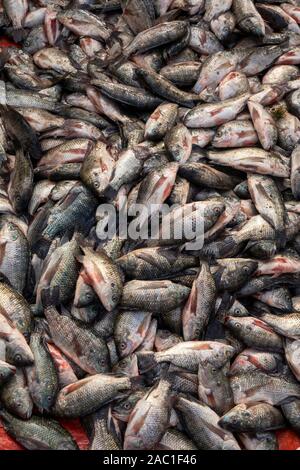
[123, 345]
[18, 357]
[237, 311]
[245, 269]
[49, 398]
[217, 210]
[127, 406]
[237, 325]
[96, 184]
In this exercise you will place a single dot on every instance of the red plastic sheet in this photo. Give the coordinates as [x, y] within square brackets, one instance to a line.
[6, 42]
[288, 440]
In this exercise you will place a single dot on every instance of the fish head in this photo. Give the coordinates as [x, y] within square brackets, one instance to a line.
[236, 418]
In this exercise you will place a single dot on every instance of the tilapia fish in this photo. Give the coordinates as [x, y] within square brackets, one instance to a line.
[150, 223]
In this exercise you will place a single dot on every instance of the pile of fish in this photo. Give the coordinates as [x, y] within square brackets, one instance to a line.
[153, 345]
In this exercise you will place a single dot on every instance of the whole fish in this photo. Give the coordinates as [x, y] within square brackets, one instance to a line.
[89, 394]
[90, 353]
[268, 201]
[257, 418]
[204, 430]
[38, 433]
[42, 376]
[200, 305]
[149, 418]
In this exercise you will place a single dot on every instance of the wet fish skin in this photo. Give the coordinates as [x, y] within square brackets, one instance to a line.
[257, 418]
[82, 22]
[151, 295]
[89, 394]
[16, 397]
[15, 308]
[214, 387]
[175, 440]
[255, 333]
[126, 94]
[248, 18]
[90, 352]
[16, 12]
[188, 354]
[164, 88]
[103, 430]
[15, 249]
[7, 371]
[291, 413]
[103, 275]
[205, 431]
[182, 73]
[130, 331]
[252, 160]
[295, 181]
[178, 142]
[42, 376]
[211, 115]
[38, 433]
[235, 134]
[149, 418]
[204, 175]
[156, 36]
[257, 386]
[199, 306]
[264, 125]
[269, 203]
[151, 263]
[259, 441]
[20, 185]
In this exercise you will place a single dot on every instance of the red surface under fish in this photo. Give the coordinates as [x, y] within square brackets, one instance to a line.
[74, 427]
[287, 439]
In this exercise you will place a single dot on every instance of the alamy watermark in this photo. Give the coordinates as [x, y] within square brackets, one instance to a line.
[162, 223]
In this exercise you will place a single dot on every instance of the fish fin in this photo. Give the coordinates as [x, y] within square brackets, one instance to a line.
[5, 279]
[218, 276]
[50, 296]
[281, 239]
[146, 360]
[40, 325]
[137, 382]
[229, 244]
[41, 247]
[226, 303]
